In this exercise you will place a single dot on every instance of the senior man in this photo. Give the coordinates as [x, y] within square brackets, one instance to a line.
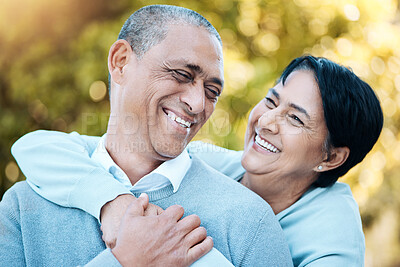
[166, 73]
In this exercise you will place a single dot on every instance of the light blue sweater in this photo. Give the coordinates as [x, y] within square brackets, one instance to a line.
[243, 226]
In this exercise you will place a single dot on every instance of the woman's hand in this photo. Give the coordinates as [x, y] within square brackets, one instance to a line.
[112, 213]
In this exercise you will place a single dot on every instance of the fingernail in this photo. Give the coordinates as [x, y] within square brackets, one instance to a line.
[142, 194]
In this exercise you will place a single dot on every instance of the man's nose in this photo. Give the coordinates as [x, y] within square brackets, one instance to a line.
[269, 121]
[194, 98]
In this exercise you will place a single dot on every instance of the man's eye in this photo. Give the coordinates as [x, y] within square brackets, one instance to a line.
[182, 76]
[269, 102]
[212, 93]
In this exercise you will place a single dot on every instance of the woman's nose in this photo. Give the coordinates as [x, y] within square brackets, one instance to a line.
[269, 121]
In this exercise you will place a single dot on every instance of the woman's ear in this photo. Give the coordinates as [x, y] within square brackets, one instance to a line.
[337, 156]
[118, 57]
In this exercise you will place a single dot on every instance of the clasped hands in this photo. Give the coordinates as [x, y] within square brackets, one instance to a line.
[142, 234]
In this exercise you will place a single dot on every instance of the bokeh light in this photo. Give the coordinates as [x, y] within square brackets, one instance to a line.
[97, 91]
[351, 12]
[12, 171]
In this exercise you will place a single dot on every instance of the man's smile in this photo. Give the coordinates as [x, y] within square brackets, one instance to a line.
[183, 122]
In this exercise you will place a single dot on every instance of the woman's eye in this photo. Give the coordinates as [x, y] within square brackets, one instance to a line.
[296, 119]
[270, 103]
[182, 76]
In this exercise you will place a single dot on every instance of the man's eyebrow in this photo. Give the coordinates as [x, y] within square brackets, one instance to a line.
[275, 93]
[195, 68]
[292, 105]
[218, 81]
[199, 70]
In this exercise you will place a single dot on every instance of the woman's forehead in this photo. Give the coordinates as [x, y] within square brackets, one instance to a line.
[300, 89]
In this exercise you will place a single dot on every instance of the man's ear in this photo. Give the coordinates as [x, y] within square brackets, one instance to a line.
[338, 156]
[118, 57]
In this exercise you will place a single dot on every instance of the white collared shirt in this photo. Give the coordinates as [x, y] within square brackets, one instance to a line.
[169, 172]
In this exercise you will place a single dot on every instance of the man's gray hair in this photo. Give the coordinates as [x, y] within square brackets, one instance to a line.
[148, 26]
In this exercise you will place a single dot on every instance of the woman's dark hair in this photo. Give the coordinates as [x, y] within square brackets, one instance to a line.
[352, 111]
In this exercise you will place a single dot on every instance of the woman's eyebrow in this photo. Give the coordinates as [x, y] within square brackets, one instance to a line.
[292, 105]
[300, 109]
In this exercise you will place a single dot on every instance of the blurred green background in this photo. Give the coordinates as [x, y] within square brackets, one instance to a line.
[53, 75]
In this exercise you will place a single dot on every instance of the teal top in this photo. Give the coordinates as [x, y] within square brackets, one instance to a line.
[323, 228]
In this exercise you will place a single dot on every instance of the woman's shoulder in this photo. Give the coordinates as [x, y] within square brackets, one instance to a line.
[221, 159]
[323, 222]
[335, 198]
[329, 201]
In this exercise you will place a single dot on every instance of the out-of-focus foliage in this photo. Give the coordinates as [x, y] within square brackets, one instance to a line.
[53, 75]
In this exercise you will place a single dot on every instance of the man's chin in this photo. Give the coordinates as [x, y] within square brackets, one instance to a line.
[169, 150]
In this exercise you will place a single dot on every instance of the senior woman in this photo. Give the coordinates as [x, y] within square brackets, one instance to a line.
[313, 126]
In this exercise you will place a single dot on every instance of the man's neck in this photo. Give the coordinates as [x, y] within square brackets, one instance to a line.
[134, 163]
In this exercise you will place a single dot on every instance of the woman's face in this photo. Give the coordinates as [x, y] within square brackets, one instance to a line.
[286, 130]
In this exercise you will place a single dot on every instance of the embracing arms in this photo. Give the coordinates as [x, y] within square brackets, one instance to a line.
[58, 167]
[164, 239]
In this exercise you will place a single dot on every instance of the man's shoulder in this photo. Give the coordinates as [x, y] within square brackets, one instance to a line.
[212, 177]
[22, 198]
[241, 223]
[202, 180]
[18, 190]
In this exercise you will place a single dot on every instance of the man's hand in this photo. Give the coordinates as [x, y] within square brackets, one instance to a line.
[112, 213]
[162, 240]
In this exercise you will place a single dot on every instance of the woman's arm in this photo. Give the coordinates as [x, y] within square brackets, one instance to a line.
[221, 159]
[59, 168]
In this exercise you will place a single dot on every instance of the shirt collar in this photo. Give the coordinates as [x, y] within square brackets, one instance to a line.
[174, 170]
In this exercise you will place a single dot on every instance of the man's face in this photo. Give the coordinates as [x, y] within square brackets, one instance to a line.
[167, 95]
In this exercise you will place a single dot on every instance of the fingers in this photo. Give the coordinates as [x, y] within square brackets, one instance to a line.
[189, 223]
[159, 210]
[111, 244]
[153, 210]
[201, 249]
[138, 206]
[196, 236]
[144, 200]
[174, 212]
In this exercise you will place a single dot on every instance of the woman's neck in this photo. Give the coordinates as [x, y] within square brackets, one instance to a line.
[279, 192]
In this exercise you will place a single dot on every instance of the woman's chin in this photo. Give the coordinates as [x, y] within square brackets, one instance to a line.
[251, 163]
